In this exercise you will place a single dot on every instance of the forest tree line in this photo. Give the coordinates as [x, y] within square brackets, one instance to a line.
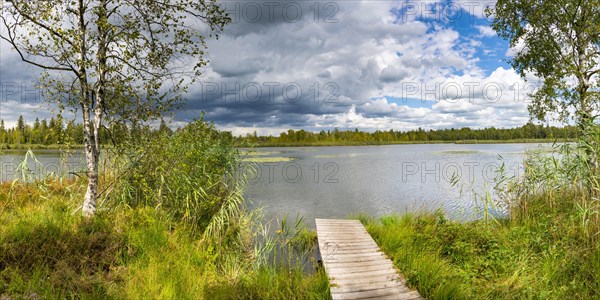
[57, 131]
[336, 136]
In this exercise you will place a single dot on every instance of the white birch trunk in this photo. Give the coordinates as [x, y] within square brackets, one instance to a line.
[91, 157]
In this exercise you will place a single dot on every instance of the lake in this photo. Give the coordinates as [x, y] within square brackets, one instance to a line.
[334, 182]
[46, 161]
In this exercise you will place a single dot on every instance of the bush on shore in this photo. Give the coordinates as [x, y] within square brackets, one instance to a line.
[171, 224]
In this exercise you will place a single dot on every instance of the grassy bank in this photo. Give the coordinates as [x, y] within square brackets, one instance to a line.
[171, 224]
[548, 247]
[48, 251]
[545, 255]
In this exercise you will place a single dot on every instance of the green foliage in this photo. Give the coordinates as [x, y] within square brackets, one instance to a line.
[537, 258]
[118, 132]
[548, 248]
[558, 42]
[115, 61]
[41, 133]
[129, 59]
[47, 251]
[191, 175]
[526, 133]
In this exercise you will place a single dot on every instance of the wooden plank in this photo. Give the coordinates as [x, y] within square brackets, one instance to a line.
[332, 231]
[341, 226]
[355, 265]
[375, 285]
[359, 265]
[344, 276]
[342, 270]
[357, 251]
[355, 258]
[347, 243]
[367, 280]
[337, 221]
[391, 292]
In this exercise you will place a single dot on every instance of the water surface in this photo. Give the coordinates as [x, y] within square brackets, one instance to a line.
[334, 182]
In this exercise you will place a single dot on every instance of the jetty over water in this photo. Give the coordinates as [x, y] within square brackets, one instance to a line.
[356, 267]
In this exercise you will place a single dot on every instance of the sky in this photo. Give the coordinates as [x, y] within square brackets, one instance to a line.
[319, 65]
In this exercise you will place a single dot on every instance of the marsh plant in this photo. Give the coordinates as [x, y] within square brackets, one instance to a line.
[567, 177]
[546, 246]
[172, 223]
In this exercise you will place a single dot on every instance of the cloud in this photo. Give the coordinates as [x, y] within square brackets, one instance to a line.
[486, 31]
[334, 65]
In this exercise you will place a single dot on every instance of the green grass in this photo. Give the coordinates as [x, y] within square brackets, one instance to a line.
[541, 255]
[173, 226]
[48, 251]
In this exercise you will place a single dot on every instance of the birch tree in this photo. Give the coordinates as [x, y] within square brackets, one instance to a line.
[112, 60]
[559, 42]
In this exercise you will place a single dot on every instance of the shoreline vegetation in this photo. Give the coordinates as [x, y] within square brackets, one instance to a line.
[528, 133]
[54, 134]
[171, 224]
[182, 233]
[374, 143]
[315, 144]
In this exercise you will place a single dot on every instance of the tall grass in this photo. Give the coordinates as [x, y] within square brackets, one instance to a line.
[547, 247]
[46, 251]
[171, 224]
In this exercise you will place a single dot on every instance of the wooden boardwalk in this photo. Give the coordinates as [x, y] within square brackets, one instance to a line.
[356, 267]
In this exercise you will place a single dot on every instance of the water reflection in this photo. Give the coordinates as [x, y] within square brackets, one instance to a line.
[334, 182]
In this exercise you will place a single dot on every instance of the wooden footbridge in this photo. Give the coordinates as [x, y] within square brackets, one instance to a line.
[356, 267]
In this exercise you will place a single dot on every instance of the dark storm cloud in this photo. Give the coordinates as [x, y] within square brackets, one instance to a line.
[324, 64]
[229, 101]
[257, 16]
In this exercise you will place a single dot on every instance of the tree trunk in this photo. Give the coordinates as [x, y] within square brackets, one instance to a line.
[92, 127]
[90, 141]
[91, 157]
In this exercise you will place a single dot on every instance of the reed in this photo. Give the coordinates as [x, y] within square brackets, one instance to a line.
[171, 224]
[547, 246]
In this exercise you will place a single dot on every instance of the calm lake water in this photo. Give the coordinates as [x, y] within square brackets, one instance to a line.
[45, 161]
[331, 182]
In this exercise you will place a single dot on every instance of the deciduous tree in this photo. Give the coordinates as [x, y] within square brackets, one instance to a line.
[112, 60]
[559, 42]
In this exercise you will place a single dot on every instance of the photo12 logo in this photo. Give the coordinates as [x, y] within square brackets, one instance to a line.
[11, 170]
[255, 92]
[280, 11]
[20, 92]
[290, 172]
[435, 172]
[446, 11]
[453, 92]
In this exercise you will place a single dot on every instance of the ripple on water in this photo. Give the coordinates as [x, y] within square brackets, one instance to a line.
[458, 152]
